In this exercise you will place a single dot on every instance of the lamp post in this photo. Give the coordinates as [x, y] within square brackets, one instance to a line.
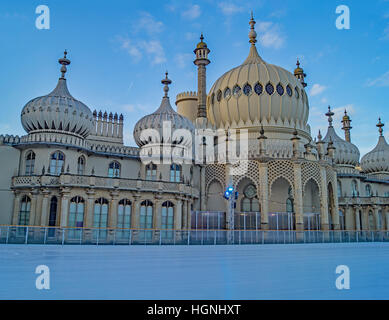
[231, 196]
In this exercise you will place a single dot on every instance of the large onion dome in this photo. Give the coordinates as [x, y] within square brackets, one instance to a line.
[160, 120]
[258, 93]
[377, 160]
[346, 153]
[58, 111]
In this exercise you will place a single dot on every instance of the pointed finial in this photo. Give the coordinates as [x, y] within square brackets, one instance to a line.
[252, 33]
[166, 82]
[329, 114]
[298, 63]
[64, 62]
[380, 126]
[319, 136]
[202, 37]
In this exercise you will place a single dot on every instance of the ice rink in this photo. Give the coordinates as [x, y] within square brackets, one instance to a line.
[195, 272]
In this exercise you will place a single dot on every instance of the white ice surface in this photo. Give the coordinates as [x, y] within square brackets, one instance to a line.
[195, 272]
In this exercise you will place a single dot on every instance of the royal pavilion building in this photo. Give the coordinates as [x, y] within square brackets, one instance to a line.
[72, 169]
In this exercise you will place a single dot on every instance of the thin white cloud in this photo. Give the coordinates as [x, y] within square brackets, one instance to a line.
[138, 49]
[147, 23]
[270, 35]
[381, 81]
[317, 89]
[192, 13]
[228, 8]
[183, 59]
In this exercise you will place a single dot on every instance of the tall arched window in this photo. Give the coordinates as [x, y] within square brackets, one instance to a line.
[114, 169]
[76, 216]
[175, 173]
[250, 201]
[368, 190]
[167, 219]
[53, 215]
[124, 218]
[339, 189]
[151, 171]
[100, 217]
[81, 166]
[57, 163]
[354, 186]
[146, 217]
[30, 163]
[24, 213]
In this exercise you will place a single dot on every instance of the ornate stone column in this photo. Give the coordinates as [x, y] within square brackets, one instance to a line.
[386, 216]
[33, 212]
[324, 200]
[264, 194]
[113, 210]
[203, 196]
[178, 216]
[349, 218]
[376, 218]
[89, 208]
[157, 212]
[357, 218]
[135, 212]
[335, 207]
[44, 207]
[64, 207]
[16, 209]
[298, 196]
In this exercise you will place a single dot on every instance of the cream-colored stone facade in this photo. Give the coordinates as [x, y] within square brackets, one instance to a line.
[72, 168]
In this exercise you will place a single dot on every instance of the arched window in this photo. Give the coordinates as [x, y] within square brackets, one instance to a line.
[167, 219]
[146, 217]
[175, 173]
[30, 163]
[124, 218]
[81, 166]
[76, 216]
[114, 169]
[57, 163]
[342, 220]
[250, 201]
[53, 215]
[368, 190]
[339, 189]
[354, 186]
[151, 171]
[24, 213]
[371, 221]
[100, 217]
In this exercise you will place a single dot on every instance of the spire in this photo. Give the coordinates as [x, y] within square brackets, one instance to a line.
[380, 125]
[299, 73]
[64, 62]
[329, 114]
[253, 54]
[346, 126]
[319, 137]
[166, 82]
[201, 62]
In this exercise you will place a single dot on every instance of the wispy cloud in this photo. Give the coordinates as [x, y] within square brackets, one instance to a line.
[317, 89]
[192, 13]
[138, 49]
[381, 81]
[270, 35]
[183, 59]
[147, 23]
[228, 8]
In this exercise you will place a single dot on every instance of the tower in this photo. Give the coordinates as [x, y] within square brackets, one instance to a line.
[201, 62]
[346, 126]
[299, 74]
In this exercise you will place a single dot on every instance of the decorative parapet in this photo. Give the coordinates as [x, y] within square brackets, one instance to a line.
[9, 139]
[69, 180]
[188, 95]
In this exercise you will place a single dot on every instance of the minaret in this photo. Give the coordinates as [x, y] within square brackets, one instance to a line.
[299, 74]
[346, 126]
[201, 62]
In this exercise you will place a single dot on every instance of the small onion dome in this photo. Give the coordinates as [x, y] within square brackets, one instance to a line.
[58, 111]
[201, 44]
[159, 120]
[346, 153]
[377, 160]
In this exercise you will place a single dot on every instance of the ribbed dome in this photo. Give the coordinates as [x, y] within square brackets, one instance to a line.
[156, 121]
[377, 160]
[58, 111]
[257, 92]
[346, 153]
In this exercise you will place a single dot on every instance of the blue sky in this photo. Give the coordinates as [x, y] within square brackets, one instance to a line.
[121, 49]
